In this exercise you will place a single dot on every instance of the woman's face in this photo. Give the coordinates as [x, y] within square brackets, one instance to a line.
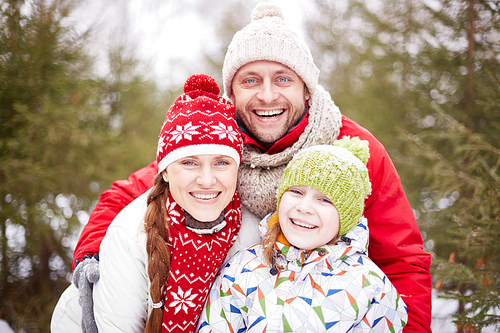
[202, 185]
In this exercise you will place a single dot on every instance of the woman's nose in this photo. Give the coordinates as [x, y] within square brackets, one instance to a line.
[206, 177]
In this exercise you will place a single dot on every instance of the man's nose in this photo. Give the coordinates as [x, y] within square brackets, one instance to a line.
[267, 92]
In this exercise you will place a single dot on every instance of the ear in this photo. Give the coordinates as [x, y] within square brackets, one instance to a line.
[164, 174]
[230, 95]
[307, 94]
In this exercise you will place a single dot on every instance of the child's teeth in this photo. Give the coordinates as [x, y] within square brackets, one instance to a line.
[308, 226]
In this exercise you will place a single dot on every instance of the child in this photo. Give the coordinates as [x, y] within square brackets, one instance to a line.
[311, 273]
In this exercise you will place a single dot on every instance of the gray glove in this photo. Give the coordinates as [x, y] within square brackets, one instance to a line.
[84, 277]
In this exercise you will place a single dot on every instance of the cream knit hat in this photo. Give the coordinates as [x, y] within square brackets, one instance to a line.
[338, 171]
[267, 37]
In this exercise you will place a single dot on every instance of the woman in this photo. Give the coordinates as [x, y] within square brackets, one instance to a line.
[160, 255]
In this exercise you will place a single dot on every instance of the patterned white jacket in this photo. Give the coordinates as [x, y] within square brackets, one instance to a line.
[337, 288]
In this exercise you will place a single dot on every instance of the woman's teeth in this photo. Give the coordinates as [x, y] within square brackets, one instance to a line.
[204, 196]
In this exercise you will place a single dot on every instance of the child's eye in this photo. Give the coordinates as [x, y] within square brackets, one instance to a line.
[325, 200]
[294, 191]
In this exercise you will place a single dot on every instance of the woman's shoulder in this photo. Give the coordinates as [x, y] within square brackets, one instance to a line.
[130, 219]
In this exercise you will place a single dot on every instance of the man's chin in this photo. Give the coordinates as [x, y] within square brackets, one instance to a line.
[268, 139]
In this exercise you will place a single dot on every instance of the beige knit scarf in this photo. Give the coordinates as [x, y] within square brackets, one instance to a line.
[259, 173]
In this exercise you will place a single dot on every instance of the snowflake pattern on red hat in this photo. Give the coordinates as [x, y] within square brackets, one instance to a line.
[199, 122]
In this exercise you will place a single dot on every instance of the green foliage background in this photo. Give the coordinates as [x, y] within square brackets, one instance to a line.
[65, 134]
[422, 76]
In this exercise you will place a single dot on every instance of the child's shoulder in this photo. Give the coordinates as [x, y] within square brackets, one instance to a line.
[251, 251]
[362, 263]
[248, 257]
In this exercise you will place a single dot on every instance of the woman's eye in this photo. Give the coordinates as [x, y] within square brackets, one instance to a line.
[222, 163]
[188, 163]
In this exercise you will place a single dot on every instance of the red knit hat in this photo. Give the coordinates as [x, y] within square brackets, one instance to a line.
[199, 122]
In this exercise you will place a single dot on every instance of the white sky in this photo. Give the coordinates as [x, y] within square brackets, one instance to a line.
[166, 32]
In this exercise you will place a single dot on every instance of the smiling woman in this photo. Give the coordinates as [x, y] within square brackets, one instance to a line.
[193, 199]
[203, 184]
[161, 253]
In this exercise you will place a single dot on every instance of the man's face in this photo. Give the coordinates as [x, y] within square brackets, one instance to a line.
[269, 98]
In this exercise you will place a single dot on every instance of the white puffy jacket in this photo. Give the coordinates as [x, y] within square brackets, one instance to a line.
[121, 296]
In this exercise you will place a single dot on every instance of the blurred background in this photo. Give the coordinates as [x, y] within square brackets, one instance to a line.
[84, 87]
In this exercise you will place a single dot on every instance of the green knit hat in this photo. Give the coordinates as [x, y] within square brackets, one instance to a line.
[338, 171]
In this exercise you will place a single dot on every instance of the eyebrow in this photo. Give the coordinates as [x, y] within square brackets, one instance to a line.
[251, 72]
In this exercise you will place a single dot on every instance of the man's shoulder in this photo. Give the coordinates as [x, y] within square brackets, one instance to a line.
[353, 129]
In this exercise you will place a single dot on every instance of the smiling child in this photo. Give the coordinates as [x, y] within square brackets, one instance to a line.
[311, 273]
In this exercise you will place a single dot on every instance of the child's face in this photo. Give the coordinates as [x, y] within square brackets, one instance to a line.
[307, 217]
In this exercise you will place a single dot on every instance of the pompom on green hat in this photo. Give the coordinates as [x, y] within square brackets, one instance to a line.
[338, 171]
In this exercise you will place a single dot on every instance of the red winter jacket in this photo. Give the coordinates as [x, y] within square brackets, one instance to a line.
[395, 241]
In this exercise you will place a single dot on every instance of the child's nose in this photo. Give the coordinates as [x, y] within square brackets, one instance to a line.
[305, 206]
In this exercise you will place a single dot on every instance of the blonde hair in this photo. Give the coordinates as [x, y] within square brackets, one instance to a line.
[268, 244]
[156, 226]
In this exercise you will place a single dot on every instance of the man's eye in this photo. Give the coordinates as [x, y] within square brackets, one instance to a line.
[283, 79]
[251, 81]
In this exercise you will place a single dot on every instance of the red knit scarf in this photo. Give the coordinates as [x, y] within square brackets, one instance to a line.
[195, 261]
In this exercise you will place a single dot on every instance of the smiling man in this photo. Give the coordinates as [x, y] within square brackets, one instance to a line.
[271, 100]
[270, 76]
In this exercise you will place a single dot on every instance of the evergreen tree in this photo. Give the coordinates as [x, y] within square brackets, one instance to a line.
[65, 134]
[424, 79]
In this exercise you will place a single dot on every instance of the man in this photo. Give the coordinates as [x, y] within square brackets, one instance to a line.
[270, 76]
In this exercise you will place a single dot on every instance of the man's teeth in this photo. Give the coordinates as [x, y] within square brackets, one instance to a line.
[204, 196]
[269, 113]
[300, 224]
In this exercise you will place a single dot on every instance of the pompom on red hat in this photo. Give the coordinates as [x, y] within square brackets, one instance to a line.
[199, 122]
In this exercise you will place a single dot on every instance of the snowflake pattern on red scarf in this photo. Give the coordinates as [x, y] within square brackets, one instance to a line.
[196, 259]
